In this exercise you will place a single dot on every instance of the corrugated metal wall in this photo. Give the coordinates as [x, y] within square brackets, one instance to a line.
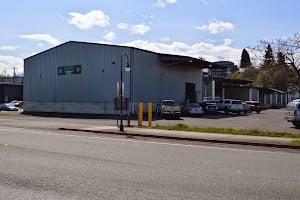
[146, 77]
[97, 81]
[93, 90]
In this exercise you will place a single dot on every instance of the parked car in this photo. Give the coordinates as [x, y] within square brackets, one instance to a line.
[168, 108]
[209, 107]
[246, 108]
[191, 109]
[254, 106]
[8, 107]
[18, 104]
[292, 113]
[230, 105]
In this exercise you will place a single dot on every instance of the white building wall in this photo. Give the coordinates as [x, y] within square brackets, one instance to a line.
[174, 79]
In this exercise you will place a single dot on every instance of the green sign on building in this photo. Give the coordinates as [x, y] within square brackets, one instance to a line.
[71, 69]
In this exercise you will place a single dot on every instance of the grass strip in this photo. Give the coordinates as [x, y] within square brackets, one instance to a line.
[250, 132]
[295, 143]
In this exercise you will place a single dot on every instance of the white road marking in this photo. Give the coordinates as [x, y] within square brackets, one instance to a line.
[128, 140]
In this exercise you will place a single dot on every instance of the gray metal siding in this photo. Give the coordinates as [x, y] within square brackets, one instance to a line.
[97, 81]
[93, 90]
[146, 77]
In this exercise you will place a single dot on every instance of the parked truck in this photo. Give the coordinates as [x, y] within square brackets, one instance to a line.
[292, 113]
[231, 105]
[168, 108]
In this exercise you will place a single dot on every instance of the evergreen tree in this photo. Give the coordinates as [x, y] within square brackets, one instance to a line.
[281, 59]
[245, 59]
[268, 57]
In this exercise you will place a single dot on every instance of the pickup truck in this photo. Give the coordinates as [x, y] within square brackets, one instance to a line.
[231, 105]
[168, 108]
[292, 113]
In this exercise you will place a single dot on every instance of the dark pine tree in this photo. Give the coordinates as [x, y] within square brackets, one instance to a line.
[245, 59]
[269, 56]
[280, 59]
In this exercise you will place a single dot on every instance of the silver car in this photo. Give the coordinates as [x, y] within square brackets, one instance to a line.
[191, 109]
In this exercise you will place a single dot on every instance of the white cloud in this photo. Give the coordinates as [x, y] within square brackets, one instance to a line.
[159, 4]
[7, 63]
[162, 4]
[170, 1]
[227, 42]
[208, 51]
[89, 20]
[216, 27]
[166, 39]
[123, 26]
[140, 29]
[40, 44]
[109, 36]
[204, 2]
[42, 37]
[8, 48]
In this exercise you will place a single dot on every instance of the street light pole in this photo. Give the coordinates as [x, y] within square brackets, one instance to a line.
[127, 68]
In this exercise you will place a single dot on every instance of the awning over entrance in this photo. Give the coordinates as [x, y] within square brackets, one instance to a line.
[175, 60]
[236, 82]
[264, 90]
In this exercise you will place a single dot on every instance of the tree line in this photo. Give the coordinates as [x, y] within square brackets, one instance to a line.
[279, 67]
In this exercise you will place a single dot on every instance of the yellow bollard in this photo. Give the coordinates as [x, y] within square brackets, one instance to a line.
[149, 114]
[140, 122]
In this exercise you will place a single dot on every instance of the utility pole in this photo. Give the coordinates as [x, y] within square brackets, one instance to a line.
[14, 75]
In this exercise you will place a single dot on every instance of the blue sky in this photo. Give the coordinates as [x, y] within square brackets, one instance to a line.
[212, 29]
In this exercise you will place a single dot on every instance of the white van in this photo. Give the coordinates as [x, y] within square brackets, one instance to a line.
[292, 113]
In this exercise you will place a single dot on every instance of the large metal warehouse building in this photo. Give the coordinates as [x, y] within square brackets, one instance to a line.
[79, 77]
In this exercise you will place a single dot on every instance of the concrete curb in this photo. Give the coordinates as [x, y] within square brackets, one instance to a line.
[193, 136]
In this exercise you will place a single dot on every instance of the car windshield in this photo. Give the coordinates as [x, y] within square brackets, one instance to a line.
[194, 105]
[169, 103]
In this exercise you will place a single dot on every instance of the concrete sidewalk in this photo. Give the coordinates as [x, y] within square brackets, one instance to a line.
[190, 136]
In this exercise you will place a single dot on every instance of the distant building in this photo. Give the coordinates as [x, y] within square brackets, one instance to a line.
[226, 68]
[10, 92]
[14, 80]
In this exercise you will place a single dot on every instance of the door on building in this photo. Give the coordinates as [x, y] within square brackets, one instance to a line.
[190, 92]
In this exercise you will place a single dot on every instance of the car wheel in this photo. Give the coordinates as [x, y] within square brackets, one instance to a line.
[162, 115]
[296, 124]
[226, 110]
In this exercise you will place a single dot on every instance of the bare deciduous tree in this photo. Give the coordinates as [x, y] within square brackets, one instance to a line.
[288, 50]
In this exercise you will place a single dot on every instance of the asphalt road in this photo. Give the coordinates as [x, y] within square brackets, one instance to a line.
[46, 164]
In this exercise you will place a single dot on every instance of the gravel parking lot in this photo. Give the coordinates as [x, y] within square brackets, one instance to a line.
[271, 119]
